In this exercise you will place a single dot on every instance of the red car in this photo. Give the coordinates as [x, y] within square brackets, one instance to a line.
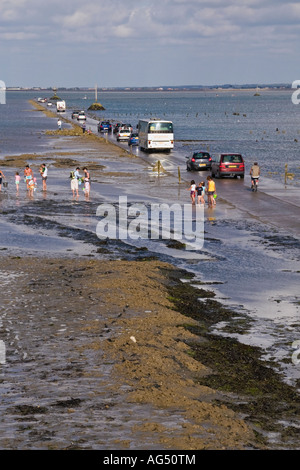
[228, 164]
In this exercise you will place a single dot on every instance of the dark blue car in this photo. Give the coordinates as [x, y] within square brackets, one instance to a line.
[104, 126]
[133, 139]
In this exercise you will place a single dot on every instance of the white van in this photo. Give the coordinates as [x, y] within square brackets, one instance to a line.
[60, 106]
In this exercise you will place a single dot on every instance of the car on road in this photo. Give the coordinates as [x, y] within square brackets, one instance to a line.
[123, 134]
[127, 126]
[116, 127]
[75, 113]
[133, 139]
[199, 161]
[81, 116]
[104, 126]
[228, 164]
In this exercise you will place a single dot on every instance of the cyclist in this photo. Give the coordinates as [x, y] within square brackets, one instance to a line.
[255, 173]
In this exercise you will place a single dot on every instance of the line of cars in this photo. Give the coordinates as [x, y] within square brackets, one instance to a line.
[122, 131]
[224, 164]
[79, 115]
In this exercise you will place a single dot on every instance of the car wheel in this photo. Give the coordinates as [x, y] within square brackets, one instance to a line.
[242, 177]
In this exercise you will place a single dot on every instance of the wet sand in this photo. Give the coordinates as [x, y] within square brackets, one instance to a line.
[99, 359]
[101, 352]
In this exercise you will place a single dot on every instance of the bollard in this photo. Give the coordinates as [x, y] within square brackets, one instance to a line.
[287, 175]
[179, 175]
[158, 166]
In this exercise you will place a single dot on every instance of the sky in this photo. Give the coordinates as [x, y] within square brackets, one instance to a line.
[145, 43]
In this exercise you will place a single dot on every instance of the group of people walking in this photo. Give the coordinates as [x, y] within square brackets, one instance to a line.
[31, 181]
[197, 192]
[77, 179]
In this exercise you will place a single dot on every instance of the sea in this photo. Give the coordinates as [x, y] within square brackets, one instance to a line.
[265, 128]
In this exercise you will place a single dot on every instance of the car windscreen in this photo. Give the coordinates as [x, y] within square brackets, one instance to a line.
[232, 159]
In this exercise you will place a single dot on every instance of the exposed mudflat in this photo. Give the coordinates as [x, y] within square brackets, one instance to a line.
[97, 358]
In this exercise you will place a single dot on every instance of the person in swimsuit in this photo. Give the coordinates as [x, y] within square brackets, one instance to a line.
[44, 175]
[28, 174]
[17, 181]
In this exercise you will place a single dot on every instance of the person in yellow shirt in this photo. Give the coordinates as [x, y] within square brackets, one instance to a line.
[211, 189]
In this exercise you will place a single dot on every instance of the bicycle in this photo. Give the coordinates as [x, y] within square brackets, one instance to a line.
[254, 184]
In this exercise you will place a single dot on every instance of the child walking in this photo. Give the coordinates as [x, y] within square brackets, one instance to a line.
[200, 193]
[193, 191]
[17, 181]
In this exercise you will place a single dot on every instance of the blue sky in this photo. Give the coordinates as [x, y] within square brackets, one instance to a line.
[69, 43]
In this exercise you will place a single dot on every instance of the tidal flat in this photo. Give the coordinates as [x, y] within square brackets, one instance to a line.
[111, 345]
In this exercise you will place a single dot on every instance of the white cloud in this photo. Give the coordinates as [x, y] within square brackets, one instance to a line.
[185, 30]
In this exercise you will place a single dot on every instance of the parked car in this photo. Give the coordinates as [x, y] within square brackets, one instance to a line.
[75, 113]
[228, 164]
[199, 161]
[133, 139]
[104, 126]
[81, 116]
[116, 127]
[123, 134]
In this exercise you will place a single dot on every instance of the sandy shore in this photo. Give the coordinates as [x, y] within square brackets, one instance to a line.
[117, 327]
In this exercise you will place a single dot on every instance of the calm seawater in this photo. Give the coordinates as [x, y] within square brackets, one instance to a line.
[264, 128]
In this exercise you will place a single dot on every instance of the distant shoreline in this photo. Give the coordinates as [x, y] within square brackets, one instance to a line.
[200, 88]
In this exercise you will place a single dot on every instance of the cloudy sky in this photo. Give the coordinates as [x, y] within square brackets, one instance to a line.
[148, 42]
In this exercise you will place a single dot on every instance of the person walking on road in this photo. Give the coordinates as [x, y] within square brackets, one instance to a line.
[193, 191]
[211, 189]
[255, 174]
[200, 193]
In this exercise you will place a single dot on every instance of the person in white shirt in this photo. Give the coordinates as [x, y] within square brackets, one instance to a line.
[74, 181]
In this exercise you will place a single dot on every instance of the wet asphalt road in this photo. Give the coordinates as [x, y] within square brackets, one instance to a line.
[274, 203]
